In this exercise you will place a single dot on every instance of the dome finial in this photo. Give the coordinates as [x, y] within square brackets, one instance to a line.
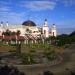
[45, 22]
[53, 24]
[45, 19]
[1, 22]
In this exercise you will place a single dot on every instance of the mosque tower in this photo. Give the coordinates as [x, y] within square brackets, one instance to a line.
[7, 24]
[45, 29]
[1, 28]
[53, 30]
[1, 24]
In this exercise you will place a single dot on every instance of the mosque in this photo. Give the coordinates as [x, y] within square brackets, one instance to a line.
[28, 31]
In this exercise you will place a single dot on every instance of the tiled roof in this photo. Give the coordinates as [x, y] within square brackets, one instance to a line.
[8, 38]
[26, 37]
[20, 38]
[1, 37]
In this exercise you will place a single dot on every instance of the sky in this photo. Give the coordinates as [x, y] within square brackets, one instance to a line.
[58, 12]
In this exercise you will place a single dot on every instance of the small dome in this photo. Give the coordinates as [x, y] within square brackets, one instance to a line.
[29, 23]
[1, 22]
[45, 19]
[54, 25]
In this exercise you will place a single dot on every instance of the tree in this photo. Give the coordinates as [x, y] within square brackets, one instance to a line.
[28, 58]
[62, 39]
[50, 54]
[7, 33]
[18, 33]
[72, 34]
[72, 37]
[18, 49]
[18, 44]
[13, 33]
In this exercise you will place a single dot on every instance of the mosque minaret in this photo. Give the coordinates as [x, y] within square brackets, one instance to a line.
[45, 29]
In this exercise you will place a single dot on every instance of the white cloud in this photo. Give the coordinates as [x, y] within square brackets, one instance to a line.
[4, 6]
[7, 13]
[38, 5]
[12, 17]
[4, 9]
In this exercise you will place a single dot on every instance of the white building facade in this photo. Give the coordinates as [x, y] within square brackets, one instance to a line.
[30, 28]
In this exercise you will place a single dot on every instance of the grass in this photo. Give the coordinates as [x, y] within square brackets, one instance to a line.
[6, 48]
[31, 47]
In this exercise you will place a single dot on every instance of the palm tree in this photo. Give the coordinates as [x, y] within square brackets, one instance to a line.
[13, 33]
[18, 33]
[7, 33]
[3, 33]
[18, 45]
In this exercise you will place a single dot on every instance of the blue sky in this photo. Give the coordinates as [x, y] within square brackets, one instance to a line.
[60, 12]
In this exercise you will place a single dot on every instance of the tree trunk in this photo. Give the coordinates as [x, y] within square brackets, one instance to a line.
[18, 48]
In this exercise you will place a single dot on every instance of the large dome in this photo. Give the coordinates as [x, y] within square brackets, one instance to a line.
[29, 23]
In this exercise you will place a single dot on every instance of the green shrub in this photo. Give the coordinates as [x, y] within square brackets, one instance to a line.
[50, 55]
[27, 58]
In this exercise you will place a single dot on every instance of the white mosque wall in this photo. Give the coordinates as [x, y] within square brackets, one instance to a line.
[54, 31]
[46, 31]
[34, 29]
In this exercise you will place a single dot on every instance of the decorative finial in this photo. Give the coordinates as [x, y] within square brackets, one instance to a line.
[45, 19]
[1, 22]
[7, 21]
[53, 24]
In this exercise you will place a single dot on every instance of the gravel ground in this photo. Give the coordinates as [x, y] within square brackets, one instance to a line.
[60, 69]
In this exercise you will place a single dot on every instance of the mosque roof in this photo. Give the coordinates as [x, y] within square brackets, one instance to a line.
[28, 23]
